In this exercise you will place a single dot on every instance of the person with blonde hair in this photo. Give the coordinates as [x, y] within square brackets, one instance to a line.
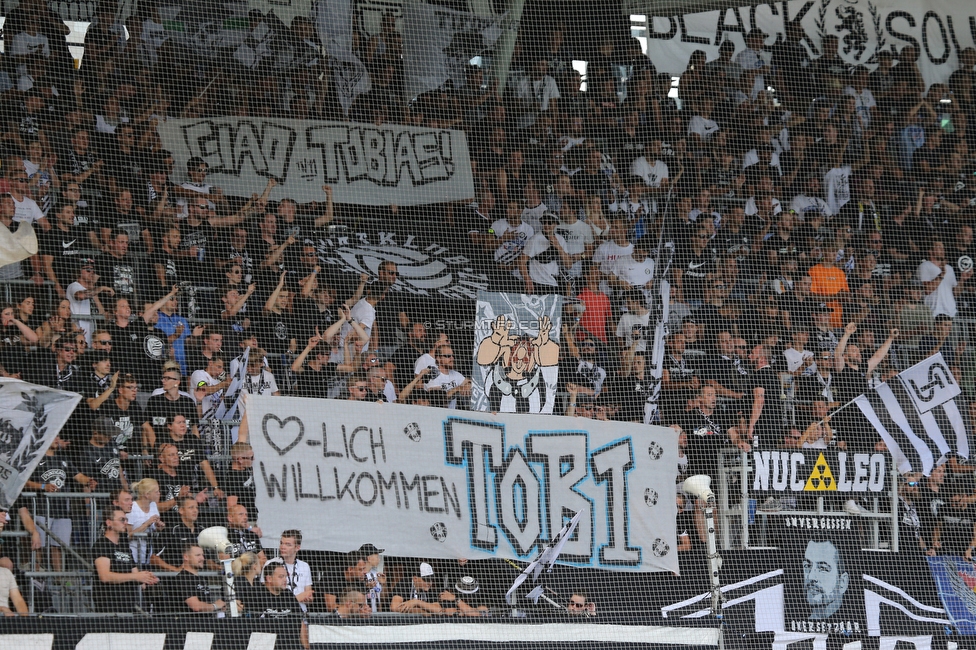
[247, 571]
[144, 518]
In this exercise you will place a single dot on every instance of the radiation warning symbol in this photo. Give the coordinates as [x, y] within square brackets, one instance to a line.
[821, 478]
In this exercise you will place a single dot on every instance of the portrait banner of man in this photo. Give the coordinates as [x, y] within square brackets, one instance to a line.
[516, 353]
[823, 576]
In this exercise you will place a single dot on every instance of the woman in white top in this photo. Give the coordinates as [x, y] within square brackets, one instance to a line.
[144, 518]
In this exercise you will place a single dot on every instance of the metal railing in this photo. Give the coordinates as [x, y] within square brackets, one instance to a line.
[744, 525]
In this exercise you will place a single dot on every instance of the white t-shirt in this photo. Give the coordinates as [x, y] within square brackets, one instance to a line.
[703, 126]
[510, 250]
[446, 382]
[210, 402]
[533, 216]
[634, 273]
[652, 174]
[425, 360]
[141, 547]
[751, 158]
[795, 358]
[80, 307]
[625, 330]
[942, 300]
[27, 210]
[365, 314]
[23, 44]
[803, 205]
[607, 254]
[539, 93]
[262, 383]
[751, 208]
[543, 263]
[299, 577]
[577, 235]
[8, 583]
[838, 184]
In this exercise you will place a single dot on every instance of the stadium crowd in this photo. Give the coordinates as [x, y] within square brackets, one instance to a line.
[817, 237]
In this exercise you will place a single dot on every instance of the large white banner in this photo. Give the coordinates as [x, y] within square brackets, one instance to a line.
[938, 29]
[30, 417]
[364, 163]
[438, 483]
[439, 43]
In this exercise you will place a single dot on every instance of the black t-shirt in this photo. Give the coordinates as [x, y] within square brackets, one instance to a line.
[173, 539]
[848, 384]
[140, 351]
[632, 394]
[694, 270]
[707, 435]
[128, 422]
[192, 451]
[261, 603]
[729, 372]
[103, 465]
[175, 270]
[240, 483]
[244, 541]
[275, 331]
[59, 471]
[185, 586]
[114, 597]
[203, 237]
[931, 508]
[160, 409]
[66, 248]
[388, 318]
[119, 274]
[407, 591]
[170, 486]
[316, 383]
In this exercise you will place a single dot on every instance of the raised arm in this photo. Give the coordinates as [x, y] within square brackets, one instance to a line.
[882, 352]
[842, 345]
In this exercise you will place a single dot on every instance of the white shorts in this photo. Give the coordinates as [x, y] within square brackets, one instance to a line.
[60, 527]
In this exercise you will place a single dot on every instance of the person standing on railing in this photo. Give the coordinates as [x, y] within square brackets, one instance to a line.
[52, 475]
[112, 592]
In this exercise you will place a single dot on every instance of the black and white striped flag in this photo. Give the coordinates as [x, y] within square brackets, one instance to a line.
[916, 415]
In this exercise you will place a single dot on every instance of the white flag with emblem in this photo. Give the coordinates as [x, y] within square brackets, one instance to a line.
[30, 417]
[917, 417]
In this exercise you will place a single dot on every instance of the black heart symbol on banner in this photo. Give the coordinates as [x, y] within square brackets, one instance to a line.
[282, 450]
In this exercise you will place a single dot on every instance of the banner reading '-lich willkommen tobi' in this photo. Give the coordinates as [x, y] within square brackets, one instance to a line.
[438, 483]
[365, 164]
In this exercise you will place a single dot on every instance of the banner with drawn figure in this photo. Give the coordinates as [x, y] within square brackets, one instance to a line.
[955, 578]
[439, 43]
[365, 164]
[516, 353]
[30, 417]
[437, 483]
[937, 29]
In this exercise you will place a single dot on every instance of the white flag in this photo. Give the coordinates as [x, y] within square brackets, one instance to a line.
[30, 417]
[17, 245]
[334, 22]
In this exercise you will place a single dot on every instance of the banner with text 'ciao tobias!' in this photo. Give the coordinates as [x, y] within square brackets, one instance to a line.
[438, 483]
[30, 417]
[365, 164]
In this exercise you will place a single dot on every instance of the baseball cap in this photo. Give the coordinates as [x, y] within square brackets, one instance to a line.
[369, 549]
[822, 308]
[426, 570]
[549, 217]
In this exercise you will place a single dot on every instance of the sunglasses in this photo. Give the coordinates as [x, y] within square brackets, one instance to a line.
[446, 356]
